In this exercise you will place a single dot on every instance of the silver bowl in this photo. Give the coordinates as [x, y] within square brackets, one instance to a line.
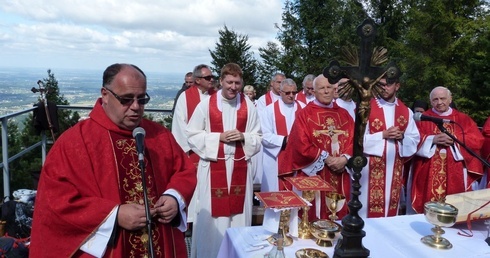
[440, 215]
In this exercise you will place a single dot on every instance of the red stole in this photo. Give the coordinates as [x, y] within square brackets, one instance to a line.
[377, 165]
[192, 97]
[281, 126]
[268, 98]
[301, 97]
[131, 191]
[224, 203]
[282, 129]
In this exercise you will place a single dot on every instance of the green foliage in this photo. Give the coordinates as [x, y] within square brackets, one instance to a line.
[313, 33]
[233, 48]
[439, 49]
[21, 169]
[270, 55]
[438, 42]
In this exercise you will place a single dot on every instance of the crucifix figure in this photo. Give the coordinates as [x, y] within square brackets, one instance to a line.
[364, 74]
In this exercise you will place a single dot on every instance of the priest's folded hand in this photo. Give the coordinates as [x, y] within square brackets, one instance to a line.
[131, 216]
[166, 208]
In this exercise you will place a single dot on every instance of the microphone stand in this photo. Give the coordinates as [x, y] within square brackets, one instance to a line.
[147, 206]
[444, 130]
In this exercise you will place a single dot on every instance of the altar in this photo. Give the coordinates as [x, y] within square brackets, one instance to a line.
[385, 237]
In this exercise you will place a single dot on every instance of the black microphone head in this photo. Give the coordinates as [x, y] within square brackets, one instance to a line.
[138, 130]
[417, 116]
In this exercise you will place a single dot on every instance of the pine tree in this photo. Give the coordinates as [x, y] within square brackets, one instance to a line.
[234, 48]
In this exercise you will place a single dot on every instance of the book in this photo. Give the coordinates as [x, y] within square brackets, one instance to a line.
[476, 203]
[280, 199]
[312, 183]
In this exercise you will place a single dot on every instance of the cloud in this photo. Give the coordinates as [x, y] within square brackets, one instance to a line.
[166, 34]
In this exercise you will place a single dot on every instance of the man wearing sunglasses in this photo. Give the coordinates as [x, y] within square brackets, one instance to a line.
[90, 195]
[187, 102]
[276, 124]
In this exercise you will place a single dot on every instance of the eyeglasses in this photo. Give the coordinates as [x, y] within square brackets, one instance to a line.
[309, 88]
[290, 92]
[129, 101]
[207, 78]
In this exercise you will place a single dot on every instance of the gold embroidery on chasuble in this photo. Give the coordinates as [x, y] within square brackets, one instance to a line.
[402, 121]
[438, 168]
[131, 191]
[439, 178]
[329, 136]
[377, 178]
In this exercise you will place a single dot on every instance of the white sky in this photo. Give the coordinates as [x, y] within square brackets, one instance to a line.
[156, 35]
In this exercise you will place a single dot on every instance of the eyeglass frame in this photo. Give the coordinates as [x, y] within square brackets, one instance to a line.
[287, 93]
[206, 77]
[130, 101]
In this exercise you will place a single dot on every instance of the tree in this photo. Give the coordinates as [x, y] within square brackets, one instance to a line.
[22, 169]
[439, 49]
[313, 33]
[233, 48]
[270, 56]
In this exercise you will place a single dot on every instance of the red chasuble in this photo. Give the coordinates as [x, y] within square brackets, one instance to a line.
[90, 170]
[441, 175]
[485, 151]
[377, 165]
[318, 129]
[224, 202]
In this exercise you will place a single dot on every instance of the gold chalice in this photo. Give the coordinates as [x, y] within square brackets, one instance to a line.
[325, 232]
[304, 226]
[439, 214]
[335, 202]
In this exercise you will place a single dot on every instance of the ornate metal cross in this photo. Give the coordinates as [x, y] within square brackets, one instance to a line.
[365, 79]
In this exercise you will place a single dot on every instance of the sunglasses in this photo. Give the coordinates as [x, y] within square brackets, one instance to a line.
[129, 101]
[207, 78]
[290, 92]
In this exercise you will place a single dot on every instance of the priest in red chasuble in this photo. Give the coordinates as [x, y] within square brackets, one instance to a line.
[225, 132]
[390, 139]
[90, 200]
[442, 166]
[320, 143]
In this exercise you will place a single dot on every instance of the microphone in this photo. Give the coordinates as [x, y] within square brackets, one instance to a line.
[139, 134]
[419, 117]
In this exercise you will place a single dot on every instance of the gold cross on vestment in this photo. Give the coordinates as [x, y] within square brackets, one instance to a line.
[237, 190]
[218, 192]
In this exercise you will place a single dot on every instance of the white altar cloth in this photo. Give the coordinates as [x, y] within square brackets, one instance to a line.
[385, 237]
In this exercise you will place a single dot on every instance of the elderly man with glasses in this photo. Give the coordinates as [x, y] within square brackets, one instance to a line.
[276, 123]
[91, 195]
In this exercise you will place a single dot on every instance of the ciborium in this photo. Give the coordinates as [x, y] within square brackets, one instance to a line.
[439, 214]
[325, 232]
[335, 202]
